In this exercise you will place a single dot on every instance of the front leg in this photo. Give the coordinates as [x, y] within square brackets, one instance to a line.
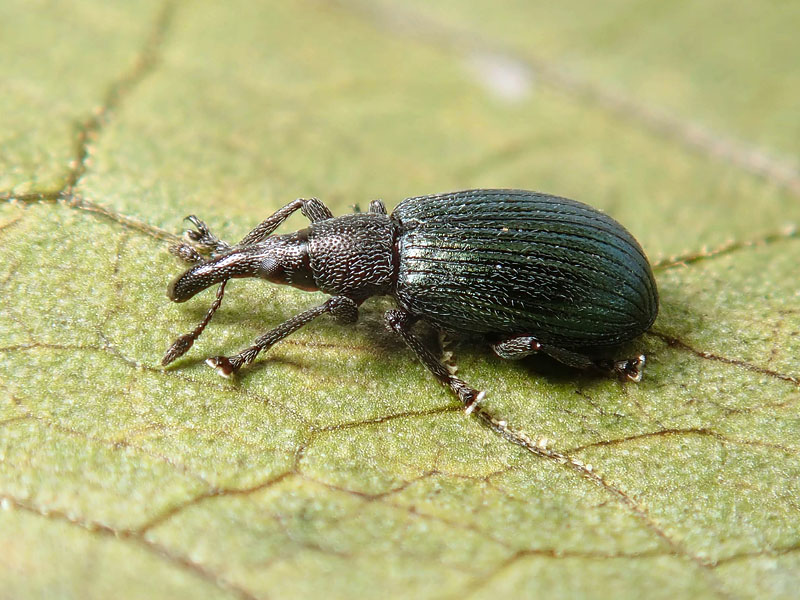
[202, 242]
[312, 208]
[342, 308]
[400, 322]
[202, 237]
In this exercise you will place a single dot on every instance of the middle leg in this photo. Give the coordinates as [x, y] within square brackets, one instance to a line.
[400, 322]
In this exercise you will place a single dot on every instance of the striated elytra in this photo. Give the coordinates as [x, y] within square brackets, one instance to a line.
[524, 271]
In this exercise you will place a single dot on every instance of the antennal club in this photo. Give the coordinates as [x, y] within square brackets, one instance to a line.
[180, 346]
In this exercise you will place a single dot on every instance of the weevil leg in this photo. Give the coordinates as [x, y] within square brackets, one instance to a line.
[201, 242]
[628, 368]
[520, 346]
[517, 347]
[312, 208]
[186, 253]
[400, 322]
[201, 237]
[377, 207]
[343, 309]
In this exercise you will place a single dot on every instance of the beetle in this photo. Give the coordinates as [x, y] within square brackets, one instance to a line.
[524, 271]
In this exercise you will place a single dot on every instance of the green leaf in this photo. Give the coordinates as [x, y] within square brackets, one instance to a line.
[335, 465]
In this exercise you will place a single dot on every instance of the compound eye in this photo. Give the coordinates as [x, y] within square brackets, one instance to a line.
[268, 267]
[271, 270]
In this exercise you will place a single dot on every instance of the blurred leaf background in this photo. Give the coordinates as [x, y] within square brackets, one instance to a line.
[336, 466]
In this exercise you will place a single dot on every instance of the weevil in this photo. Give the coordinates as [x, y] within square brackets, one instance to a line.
[526, 272]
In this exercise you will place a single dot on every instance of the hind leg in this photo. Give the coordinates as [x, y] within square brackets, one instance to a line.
[520, 346]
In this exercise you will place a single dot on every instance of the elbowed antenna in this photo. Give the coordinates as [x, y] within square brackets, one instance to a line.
[238, 263]
[180, 346]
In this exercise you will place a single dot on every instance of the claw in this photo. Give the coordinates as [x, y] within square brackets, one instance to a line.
[631, 369]
[201, 235]
[200, 231]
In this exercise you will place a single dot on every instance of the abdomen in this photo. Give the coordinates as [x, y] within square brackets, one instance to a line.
[512, 261]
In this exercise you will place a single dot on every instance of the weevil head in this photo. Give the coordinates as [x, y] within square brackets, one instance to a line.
[279, 259]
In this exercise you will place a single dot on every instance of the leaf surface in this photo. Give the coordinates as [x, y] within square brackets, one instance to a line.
[335, 466]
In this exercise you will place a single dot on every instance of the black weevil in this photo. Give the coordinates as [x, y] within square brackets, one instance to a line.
[525, 271]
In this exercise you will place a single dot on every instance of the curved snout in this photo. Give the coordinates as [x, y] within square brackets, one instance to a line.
[235, 264]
